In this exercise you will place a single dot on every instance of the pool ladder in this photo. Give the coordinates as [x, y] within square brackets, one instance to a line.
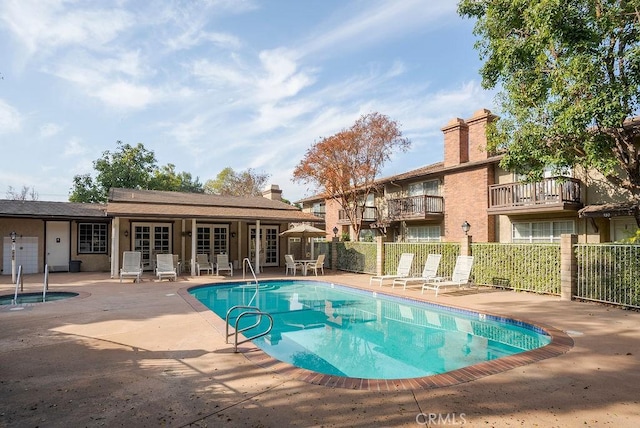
[248, 311]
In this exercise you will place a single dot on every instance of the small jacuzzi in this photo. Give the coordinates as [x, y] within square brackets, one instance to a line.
[27, 298]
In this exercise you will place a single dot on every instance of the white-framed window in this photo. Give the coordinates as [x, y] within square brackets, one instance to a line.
[212, 239]
[548, 172]
[541, 231]
[92, 238]
[430, 188]
[423, 234]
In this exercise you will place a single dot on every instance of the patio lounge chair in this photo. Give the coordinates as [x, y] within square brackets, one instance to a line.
[430, 271]
[318, 264]
[291, 265]
[202, 263]
[460, 276]
[222, 263]
[131, 266]
[404, 268]
[165, 268]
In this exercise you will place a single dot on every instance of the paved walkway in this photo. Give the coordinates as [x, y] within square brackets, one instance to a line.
[140, 355]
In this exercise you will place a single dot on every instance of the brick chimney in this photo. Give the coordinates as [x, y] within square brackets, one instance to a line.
[478, 134]
[274, 193]
[456, 142]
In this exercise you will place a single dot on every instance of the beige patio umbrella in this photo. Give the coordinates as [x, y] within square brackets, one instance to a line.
[304, 231]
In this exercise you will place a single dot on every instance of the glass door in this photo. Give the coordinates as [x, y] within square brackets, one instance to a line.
[268, 245]
[151, 239]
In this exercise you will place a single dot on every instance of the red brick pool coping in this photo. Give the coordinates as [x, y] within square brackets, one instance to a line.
[560, 344]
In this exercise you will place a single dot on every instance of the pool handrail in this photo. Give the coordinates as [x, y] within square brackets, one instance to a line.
[254, 311]
[45, 283]
[18, 284]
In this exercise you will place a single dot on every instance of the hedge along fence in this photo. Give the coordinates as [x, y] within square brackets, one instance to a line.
[529, 267]
[393, 250]
[608, 273]
[357, 257]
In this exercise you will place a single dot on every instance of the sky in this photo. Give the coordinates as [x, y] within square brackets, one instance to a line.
[210, 84]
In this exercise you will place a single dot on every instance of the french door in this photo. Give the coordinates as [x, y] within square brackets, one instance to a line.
[151, 239]
[268, 245]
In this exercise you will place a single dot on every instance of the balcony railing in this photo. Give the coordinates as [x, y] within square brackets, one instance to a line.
[415, 207]
[369, 214]
[562, 192]
[319, 213]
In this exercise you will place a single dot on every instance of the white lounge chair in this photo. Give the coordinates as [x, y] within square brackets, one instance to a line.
[315, 265]
[165, 267]
[203, 263]
[404, 268]
[222, 263]
[291, 265]
[460, 276]
[131, 266]
[430, 271]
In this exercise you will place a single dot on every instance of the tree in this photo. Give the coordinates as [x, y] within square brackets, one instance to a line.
[230, 183]
[131, 167]
[344, 166]
[569, 73]
[27, 193]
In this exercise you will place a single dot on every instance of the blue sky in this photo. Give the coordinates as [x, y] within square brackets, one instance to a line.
[207, 85]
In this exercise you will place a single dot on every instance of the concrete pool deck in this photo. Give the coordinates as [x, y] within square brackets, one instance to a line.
[139, 355]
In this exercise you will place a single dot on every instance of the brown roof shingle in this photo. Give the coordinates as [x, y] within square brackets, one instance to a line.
[48, 209]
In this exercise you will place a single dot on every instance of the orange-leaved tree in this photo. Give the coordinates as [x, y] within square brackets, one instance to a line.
[344, 166]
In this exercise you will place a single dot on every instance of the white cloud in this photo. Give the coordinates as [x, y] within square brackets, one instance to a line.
[126, 95]
[46, 25]
[10, 119]
[74, 148]
[49, 130]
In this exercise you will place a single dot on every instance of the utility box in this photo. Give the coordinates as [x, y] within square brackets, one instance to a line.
[74, 265]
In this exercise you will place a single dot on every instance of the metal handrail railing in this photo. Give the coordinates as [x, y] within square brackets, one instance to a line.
[252, 311]
[19, 283]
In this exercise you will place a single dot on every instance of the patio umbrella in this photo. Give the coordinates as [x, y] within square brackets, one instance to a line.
[304, 231]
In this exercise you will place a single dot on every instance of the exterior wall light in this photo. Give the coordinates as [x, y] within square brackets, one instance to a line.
[465, 227]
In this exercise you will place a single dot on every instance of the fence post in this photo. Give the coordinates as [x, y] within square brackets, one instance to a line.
[379, 255]
[568, 267]
[465, 245]
[334, 252]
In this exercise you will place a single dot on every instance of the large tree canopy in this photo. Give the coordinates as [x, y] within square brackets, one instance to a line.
[569, 75]
[231, 183]
[132, 167]
[344, 166]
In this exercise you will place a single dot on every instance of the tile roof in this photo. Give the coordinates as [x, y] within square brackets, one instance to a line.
[39, 209]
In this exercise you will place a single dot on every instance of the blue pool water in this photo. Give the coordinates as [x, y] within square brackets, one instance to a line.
[342, 331]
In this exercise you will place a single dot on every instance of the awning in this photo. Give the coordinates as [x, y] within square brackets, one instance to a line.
[609, 210]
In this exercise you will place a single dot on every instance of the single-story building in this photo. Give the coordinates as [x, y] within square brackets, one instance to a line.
[92, 237]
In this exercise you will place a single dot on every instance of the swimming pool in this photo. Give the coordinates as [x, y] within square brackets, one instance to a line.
[341, 331]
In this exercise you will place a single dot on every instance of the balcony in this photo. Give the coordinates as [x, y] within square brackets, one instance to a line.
[370, 214]
[416, 208]
[549, 195]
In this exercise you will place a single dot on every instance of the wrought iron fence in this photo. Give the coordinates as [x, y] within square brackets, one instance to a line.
[608, 273]
[529, 267]
[393, 250]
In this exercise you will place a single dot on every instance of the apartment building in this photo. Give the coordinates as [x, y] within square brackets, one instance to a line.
[431, 203]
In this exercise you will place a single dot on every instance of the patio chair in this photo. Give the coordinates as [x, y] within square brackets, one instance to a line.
[430, 271]
[291, 265]
[202, 263]
[222, 263]
[131, 266]
[404, 268]
[317, 264]
[165, 267]
[460, 276]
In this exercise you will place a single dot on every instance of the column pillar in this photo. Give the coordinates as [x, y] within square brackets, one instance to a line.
[568, 267]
